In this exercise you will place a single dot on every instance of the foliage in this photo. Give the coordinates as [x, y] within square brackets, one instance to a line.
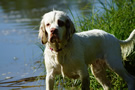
[116, 19]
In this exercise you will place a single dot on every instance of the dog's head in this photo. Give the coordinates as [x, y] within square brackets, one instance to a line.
[56, 27]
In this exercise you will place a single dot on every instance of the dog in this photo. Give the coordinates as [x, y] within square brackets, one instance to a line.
[70, 54]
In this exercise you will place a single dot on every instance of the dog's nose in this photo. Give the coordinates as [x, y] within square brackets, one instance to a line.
[54, 30]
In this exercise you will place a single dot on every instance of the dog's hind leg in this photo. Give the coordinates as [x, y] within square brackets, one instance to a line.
[115, 63]
[98, 69]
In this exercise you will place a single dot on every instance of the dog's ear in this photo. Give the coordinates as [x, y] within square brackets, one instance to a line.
[42, 32]
[70, 29]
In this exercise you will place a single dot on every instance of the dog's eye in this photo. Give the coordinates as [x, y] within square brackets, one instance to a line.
[47, 24]
[61, 23]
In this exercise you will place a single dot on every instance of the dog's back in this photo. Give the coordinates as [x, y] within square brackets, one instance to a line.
[97, 44]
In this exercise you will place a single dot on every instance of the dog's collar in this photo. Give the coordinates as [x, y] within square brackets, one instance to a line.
[56, 50]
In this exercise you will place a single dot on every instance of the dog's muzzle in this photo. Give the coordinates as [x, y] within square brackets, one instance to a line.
[54, 35]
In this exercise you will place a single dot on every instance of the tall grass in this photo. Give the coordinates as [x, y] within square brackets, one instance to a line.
[118, 18]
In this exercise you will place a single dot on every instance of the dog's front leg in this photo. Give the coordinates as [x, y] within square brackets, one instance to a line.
[84, 75]
[85, 83]
[49, 81]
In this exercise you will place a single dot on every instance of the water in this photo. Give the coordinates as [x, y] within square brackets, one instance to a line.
[20, 57]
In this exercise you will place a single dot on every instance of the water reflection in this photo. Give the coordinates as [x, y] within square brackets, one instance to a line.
[34, 9]
[19, 23]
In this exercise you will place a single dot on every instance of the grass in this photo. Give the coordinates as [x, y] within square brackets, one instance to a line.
[118, 18]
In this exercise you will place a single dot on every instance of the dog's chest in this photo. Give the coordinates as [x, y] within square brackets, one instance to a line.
[67, 67]
[64, 64]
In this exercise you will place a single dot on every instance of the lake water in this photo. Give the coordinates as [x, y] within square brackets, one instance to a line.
[20, 56]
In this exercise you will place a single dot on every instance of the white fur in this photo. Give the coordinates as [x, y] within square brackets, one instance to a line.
[95, 48]
[128, 45]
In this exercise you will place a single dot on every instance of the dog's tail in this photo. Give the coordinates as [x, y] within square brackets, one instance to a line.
[127, 45]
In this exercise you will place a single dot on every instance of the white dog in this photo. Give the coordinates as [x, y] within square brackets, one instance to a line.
[69, 53]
